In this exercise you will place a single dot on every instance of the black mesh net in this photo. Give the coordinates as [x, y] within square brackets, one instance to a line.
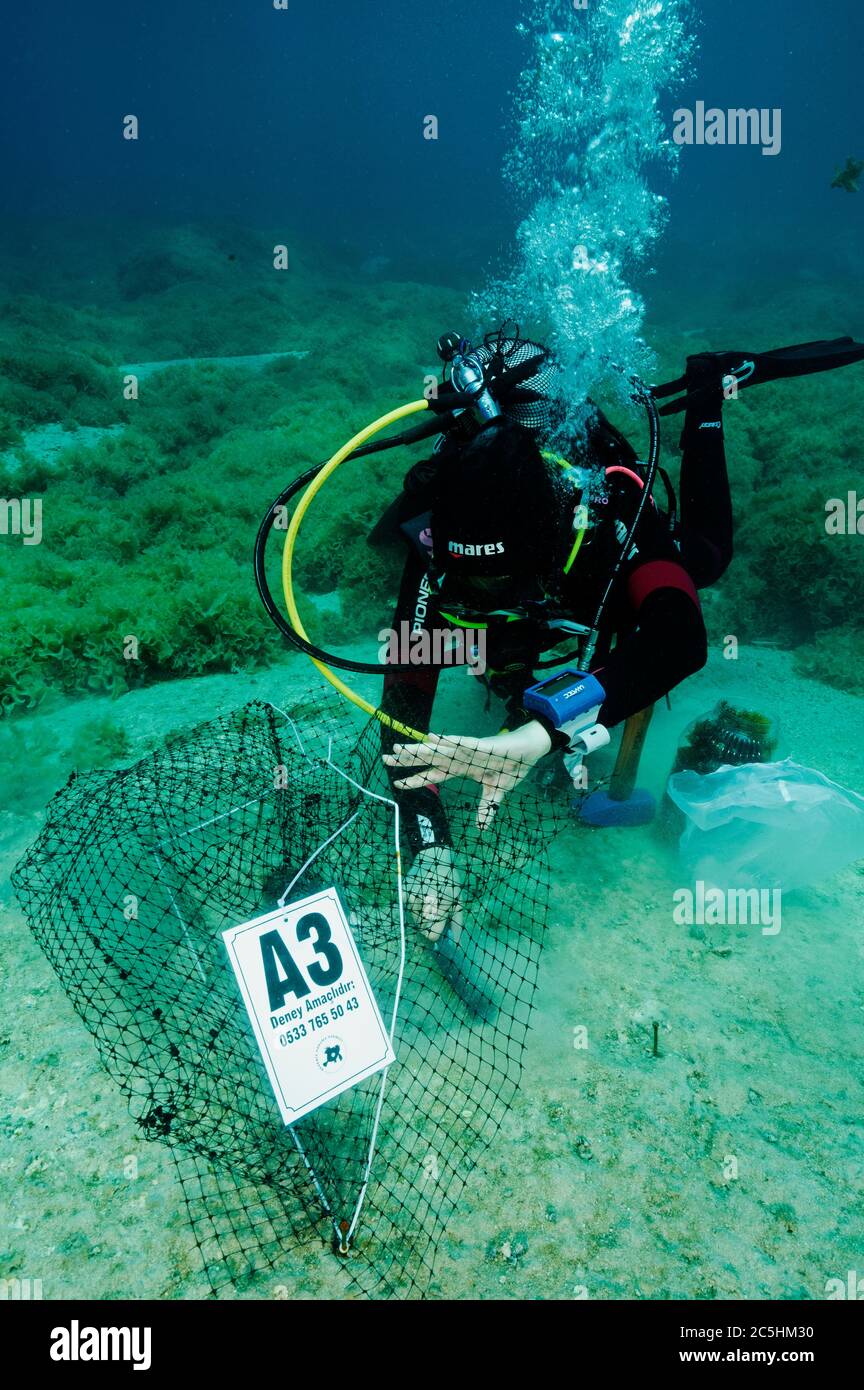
[129, 888]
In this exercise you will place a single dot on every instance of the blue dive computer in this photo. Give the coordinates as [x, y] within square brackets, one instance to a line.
[571, 702]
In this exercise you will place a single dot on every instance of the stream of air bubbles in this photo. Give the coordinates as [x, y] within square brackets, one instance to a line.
[591, 140]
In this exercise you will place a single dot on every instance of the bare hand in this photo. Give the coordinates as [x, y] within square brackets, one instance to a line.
[499, 764]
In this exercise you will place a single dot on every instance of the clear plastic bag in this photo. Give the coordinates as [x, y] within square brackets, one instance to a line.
[767, 825]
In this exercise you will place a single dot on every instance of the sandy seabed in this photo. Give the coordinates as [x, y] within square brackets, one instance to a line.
[729, 1166]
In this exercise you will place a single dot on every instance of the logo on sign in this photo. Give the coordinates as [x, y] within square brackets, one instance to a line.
[329, 1053]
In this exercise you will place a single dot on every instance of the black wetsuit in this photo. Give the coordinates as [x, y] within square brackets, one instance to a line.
[654, 617]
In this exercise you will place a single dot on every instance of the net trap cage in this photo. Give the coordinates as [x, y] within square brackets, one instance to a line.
[228, 918]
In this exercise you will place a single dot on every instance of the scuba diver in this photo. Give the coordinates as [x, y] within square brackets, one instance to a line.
[519, 544]
[526, 548]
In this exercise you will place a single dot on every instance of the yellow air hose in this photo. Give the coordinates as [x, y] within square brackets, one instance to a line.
[288, 558]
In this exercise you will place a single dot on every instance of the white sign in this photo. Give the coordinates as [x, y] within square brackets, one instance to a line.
[310, 1002]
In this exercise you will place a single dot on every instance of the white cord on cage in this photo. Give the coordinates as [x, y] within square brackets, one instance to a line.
[398, 995]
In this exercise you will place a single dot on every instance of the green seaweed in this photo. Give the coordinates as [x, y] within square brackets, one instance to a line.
[148, 529]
